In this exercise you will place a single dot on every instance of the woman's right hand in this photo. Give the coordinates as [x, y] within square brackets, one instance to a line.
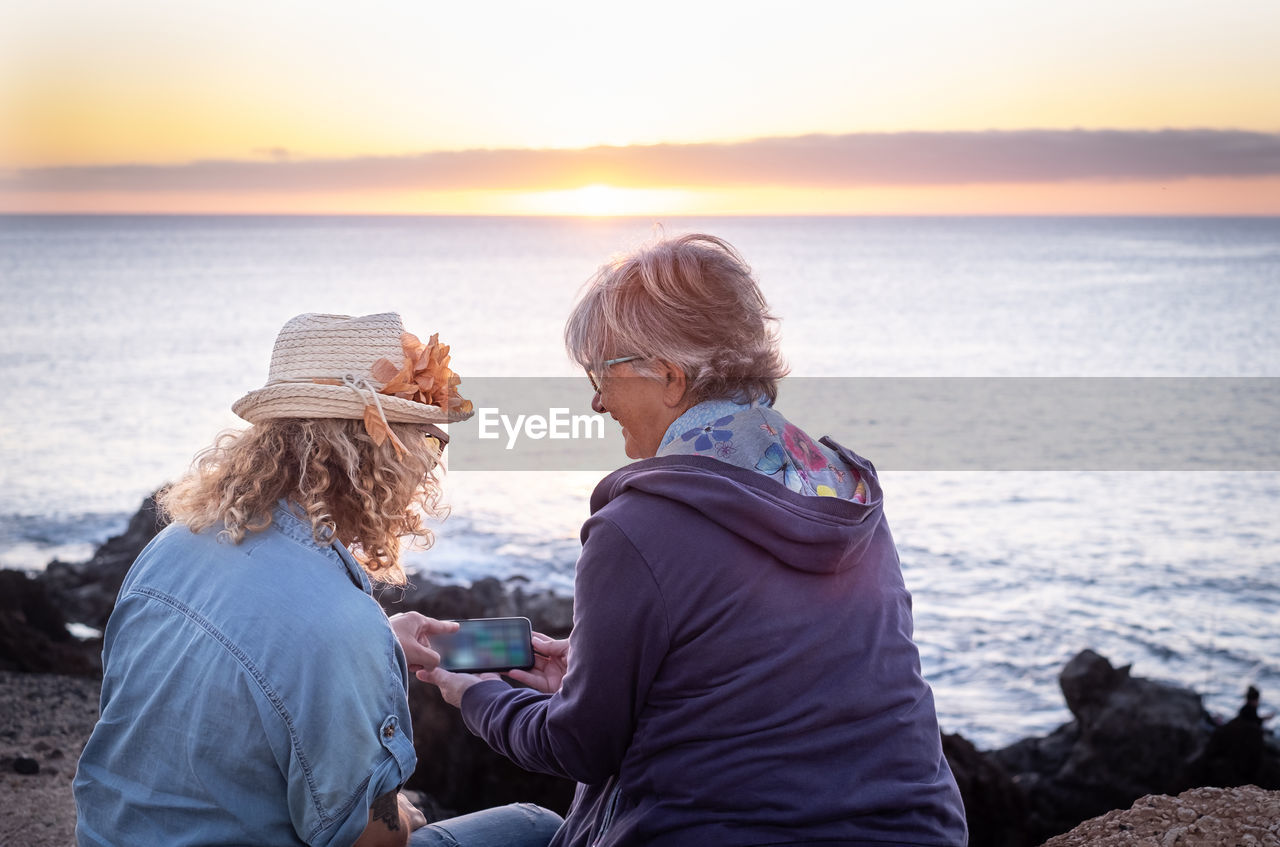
[414, 630]
[550, 664]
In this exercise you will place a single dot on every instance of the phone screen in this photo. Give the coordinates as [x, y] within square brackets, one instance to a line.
[486, 644]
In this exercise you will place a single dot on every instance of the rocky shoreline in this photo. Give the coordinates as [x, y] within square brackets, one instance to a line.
[1130, 738]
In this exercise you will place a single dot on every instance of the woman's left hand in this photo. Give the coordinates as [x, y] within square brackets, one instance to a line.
[414, 630]
[550, 664]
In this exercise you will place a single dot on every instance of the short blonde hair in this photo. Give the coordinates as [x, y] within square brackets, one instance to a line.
[691, 301]
[351, 489]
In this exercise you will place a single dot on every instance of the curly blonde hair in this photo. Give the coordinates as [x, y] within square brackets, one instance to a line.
[351, 489]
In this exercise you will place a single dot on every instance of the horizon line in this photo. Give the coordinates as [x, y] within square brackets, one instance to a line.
[813, 161]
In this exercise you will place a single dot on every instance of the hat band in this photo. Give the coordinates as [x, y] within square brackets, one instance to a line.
[359, 386]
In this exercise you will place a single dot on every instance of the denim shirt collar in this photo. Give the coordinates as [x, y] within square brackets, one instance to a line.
[298, 529]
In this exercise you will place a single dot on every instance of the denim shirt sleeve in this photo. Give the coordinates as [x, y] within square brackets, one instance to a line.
[341, 761]
[354, 742]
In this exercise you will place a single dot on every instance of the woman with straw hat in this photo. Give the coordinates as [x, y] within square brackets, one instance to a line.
[253, 690]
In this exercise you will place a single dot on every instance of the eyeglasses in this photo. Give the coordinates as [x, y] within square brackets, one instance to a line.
[608, 363]
[434, 432]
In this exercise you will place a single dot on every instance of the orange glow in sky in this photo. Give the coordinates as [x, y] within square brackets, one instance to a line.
[145, 82]
[1185, 197]
[601, 200]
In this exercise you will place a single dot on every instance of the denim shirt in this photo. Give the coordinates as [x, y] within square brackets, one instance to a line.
[252, 693]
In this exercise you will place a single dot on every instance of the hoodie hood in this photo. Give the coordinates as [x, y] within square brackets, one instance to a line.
[816, 534]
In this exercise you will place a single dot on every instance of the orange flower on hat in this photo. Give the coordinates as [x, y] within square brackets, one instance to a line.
[424, 377]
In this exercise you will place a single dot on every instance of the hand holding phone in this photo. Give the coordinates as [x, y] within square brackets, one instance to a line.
[550, 664]
[486, 644]
[416, 632]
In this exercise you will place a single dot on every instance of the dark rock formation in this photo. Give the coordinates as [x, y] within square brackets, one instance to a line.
[86, 592]
[1240, 752]
[994, 806]
[33, 631]
[35, 609]
[1131, 738]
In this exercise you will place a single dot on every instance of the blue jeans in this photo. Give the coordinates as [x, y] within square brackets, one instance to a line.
[517, 825]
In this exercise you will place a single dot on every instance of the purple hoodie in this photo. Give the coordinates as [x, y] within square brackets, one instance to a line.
[741, 672]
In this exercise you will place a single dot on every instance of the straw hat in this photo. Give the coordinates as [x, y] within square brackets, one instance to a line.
[323, 367]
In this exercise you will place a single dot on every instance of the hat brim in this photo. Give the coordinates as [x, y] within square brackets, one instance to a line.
[316, 400]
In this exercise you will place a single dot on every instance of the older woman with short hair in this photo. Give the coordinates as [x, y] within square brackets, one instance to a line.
[741, 669]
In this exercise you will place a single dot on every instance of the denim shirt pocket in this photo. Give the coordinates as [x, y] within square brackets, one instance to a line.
[394, 740]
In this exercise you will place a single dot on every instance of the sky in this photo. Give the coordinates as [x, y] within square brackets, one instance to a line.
[981, 107]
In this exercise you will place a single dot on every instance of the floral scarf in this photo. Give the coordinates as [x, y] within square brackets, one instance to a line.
[756, 437]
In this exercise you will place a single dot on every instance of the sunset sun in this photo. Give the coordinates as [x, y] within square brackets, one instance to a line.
[600, 200]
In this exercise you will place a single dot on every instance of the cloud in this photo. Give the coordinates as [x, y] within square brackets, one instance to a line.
[277, 153]
[810, 161]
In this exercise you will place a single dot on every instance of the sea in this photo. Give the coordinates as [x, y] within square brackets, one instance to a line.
[127, 338]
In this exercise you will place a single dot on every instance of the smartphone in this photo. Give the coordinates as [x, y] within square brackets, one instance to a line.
[486, 644]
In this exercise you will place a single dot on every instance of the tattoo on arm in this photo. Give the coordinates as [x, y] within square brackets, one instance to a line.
[386, 809]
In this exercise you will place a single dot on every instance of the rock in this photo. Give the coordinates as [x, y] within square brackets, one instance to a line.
[86, 592]
[1032, 757]
[33, 632]
[1238, 754]
[1202, 816]
[995, 807]
[1141, 734]
[1131, 737]
[26, 766]
[1088, 682]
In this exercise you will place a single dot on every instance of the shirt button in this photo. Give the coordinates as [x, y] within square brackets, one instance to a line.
[389, 731]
